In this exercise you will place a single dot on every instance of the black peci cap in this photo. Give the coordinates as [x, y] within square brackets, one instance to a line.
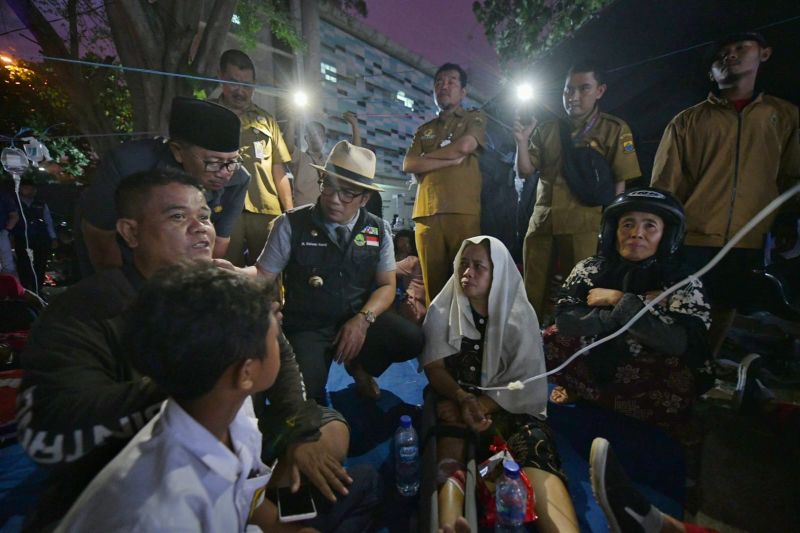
[207, 125]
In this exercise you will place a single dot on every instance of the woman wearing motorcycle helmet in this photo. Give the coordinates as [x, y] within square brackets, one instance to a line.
[656, 369]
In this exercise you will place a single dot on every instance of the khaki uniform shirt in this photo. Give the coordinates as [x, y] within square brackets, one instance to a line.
[455, 189]
[262, 146]
[725, 166]
[557, 210]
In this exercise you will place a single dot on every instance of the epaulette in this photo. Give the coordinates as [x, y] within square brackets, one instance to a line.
[611, 118]
[427, 123]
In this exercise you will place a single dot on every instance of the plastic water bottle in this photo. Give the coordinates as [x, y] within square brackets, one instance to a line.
[510, 498]
[406, 458]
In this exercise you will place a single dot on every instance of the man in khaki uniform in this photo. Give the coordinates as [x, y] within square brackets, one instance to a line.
[264, 154]
[561, 229]
[444, 158]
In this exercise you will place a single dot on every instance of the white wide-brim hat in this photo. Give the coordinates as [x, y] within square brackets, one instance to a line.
[353, 164]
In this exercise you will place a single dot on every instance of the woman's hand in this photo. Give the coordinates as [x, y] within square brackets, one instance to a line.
[473, 414]
[449, 412]
[603, 297]
[649, 296]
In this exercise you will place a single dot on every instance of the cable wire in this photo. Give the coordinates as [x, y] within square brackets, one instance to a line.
[768, 209]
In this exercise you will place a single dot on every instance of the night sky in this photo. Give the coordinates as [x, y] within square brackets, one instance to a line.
[440, 31]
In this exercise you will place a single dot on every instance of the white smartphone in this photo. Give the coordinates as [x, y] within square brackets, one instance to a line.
[295, 506]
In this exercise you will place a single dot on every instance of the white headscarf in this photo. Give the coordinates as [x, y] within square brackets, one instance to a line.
[512, 348]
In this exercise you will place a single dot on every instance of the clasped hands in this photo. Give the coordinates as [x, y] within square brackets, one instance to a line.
[471, 411]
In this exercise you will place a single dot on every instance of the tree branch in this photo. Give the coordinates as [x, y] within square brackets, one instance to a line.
[72, 16]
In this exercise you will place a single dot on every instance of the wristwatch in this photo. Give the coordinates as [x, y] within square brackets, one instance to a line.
[369, 316]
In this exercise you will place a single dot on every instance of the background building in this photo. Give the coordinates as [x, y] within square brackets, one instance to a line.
[360, 70]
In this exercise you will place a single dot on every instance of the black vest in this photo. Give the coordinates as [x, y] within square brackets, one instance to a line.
[348, 275]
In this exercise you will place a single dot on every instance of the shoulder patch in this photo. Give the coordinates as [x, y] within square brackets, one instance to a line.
[426, 134]
[627, 146]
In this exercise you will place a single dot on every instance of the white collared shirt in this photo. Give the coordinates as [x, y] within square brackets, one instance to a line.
[176, 476]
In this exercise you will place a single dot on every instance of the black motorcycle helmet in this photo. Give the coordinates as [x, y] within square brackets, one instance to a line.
[647, 200]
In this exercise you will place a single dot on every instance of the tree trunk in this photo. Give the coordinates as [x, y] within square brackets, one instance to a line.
[310, 34]
[158, 36]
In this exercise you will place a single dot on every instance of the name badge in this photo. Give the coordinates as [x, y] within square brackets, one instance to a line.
[258, 149]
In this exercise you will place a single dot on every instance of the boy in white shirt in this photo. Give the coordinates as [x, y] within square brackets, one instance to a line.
[208, 338]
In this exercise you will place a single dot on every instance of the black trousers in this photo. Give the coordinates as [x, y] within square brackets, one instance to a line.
[391, 339]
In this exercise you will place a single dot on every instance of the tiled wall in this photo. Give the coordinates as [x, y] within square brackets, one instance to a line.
[367, 83]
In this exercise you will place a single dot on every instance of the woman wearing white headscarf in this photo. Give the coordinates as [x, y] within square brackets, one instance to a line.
[482, 331]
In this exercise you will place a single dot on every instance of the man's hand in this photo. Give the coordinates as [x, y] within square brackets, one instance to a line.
[315, 461]
[522, 134]
[603, 297]
[350, 338]
[473, 414]
[351, 118]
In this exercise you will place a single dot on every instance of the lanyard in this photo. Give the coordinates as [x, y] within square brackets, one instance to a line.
[589, 125]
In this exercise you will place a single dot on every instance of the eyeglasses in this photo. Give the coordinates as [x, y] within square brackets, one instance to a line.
[231, 165]
[345, 195]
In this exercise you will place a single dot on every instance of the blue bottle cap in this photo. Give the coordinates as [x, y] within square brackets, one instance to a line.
[405, 421]
[511, 469]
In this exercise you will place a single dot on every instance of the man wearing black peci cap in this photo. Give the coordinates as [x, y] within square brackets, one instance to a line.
[203, 142]
[726, 158]
[338, 264]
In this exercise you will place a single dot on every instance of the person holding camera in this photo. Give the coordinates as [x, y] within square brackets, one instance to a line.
[563, 227]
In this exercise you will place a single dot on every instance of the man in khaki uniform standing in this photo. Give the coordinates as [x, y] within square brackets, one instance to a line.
[264, 154]
[444, 158]
[562, 229]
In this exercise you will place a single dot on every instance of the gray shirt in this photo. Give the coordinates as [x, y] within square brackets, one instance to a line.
[278, 248]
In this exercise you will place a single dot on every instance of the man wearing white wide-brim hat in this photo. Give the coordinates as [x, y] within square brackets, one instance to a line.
[338, 265]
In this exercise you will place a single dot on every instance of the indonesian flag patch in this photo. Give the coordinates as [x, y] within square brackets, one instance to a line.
[373, 240]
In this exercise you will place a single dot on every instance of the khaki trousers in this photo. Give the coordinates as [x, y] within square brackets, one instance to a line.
[439, 238]
[249, 235]
[542, 252]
